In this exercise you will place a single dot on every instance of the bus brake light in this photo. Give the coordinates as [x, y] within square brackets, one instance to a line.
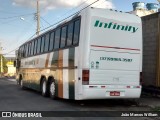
[85, 77]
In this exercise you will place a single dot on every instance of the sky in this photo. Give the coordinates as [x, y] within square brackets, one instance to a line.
[17, 17]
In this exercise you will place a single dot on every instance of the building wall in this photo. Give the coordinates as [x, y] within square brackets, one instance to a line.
[11, 70]
[150, 38]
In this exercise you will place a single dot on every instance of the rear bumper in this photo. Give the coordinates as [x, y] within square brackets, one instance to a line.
[104, 93]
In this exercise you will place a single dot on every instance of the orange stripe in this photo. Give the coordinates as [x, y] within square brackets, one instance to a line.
[47, 60]
[60, 74]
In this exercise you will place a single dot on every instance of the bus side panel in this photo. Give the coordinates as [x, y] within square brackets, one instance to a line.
[64, 63]
[77, 81]
[54, 64]
[71, 73]
[65, 74]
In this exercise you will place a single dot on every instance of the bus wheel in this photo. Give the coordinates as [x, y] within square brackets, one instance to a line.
[44, 88]
[52, 89]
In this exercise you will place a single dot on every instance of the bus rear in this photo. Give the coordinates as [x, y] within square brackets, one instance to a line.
[114, 56]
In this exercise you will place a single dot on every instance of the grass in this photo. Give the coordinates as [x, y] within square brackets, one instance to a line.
[156, 108]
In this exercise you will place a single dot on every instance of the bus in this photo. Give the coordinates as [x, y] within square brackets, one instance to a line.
[95, 54]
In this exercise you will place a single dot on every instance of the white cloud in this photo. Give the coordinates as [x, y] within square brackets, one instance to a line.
[52, 4]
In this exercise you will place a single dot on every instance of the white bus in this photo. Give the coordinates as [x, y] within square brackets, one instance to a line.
[97, 54]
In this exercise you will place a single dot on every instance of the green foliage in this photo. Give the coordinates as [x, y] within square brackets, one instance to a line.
[4, 64]
[156, 108]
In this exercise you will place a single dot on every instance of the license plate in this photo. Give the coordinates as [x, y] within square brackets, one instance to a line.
[114, 93]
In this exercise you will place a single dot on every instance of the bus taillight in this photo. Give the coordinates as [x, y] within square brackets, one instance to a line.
[85, 77]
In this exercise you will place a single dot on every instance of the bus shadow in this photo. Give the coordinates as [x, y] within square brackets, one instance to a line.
[101, 103]
[91, 103]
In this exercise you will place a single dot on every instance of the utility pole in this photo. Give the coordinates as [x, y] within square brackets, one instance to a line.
[1, 64]
[1, 59]
[38, 19]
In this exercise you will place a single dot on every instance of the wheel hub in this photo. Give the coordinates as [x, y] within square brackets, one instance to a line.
[52, 88]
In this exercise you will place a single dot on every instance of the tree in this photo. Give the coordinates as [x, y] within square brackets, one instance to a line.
[4, 64]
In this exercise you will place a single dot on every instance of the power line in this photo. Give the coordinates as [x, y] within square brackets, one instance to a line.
[8, 12]
[45, 21]
[100, 3]
[18, 47]
[66, 12]
[73, 8]
[10, 51]
[17, 16]
[41, 23]
[68, 16]
[10, 21]
[24, 32]
[56, 23]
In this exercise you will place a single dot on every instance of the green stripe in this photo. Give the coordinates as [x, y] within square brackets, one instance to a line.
[56, 87]
[71, 73]
[54, 63]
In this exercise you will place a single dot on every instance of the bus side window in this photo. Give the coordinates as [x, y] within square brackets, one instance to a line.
[76, 32]
[22, 51]
[39, 45]
[46, 48]
[63, 37]
[42, 44]
[32, 47]
[26, 51]
[57, 38]
[29, 49]
[35, 46]
[19, 52]
[70, 34]
[51, 44]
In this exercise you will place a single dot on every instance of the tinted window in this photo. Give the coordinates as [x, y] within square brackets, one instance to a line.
[39, 45]
[35, 47]
[46, 48]
[51, 41]
[32, 48]
[57, 39]
[76, 32]
[29, 49]
[70, 34]
[26, 51]
[22, 54]
[63, 36]
[20, 51]
[42, 44]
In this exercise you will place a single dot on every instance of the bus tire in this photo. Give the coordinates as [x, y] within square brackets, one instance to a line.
[52, 89]
[44, 90]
